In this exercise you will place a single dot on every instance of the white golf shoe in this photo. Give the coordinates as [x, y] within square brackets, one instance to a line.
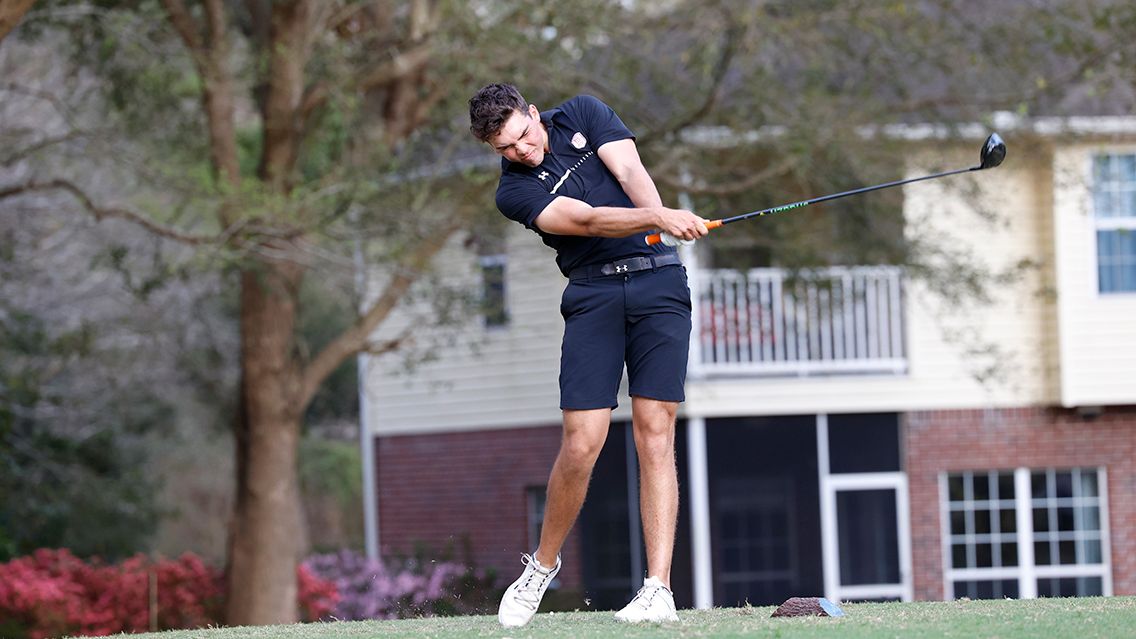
[522, 598]
[653, 603]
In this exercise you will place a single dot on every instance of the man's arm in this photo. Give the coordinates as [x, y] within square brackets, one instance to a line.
[567, 216]
[621, 157]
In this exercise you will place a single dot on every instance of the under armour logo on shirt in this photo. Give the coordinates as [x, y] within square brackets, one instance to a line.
[543, 175]
[622, 268]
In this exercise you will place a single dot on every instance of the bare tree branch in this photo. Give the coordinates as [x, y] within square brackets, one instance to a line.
[390, 345]
[100, 213]
[42, 144]
[11, 12]
[184, 25]
[731, 37]
[355, 339]
[402, 64]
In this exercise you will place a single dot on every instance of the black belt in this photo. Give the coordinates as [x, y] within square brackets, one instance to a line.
[627, 265]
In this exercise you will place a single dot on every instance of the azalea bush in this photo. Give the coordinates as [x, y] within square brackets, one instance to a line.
[395, 589]
[52, 593]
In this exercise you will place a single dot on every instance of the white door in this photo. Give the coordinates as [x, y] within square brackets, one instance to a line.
[865, 532]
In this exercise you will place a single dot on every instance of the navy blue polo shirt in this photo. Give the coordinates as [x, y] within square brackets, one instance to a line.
[572, 169]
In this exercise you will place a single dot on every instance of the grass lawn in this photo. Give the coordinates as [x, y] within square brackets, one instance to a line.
[1111, 618]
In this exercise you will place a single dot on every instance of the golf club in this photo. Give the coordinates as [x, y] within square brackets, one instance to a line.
[992, 154]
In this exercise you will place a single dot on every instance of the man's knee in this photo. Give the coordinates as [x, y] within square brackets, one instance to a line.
[654, 424]
[580, 452]
[655, 447]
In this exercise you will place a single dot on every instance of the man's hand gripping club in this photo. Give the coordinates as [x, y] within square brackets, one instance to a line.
[683, 233]
[679, 227]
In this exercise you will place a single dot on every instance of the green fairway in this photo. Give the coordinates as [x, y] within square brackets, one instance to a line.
[1112, 618]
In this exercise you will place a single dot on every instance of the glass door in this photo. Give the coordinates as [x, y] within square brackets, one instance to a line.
[865, 531]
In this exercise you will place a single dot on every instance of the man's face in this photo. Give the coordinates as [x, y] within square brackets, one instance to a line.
[521, 138]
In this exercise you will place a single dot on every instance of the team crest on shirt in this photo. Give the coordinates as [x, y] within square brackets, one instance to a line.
[578, 140]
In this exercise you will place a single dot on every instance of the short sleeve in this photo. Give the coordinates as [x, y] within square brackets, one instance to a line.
[522, 200]
[600, 123]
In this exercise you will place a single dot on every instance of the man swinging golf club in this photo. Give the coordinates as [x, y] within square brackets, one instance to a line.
[573, 175]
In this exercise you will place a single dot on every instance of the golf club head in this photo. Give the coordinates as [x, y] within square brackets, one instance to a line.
[993, 152]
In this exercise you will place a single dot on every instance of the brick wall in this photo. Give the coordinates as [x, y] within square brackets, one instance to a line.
[938, 441]
[477, 482]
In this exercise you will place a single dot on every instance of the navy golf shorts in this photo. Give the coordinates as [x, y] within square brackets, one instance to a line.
[639, 319]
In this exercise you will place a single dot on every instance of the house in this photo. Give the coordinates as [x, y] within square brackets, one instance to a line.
[853, 434]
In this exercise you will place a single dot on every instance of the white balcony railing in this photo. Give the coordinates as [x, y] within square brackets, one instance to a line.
[827, 321]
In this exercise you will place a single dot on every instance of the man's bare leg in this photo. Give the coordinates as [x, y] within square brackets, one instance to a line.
[654, 428]
[585, 432]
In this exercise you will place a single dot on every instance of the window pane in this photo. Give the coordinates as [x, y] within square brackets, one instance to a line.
[1100, 169]
[986, 589]
[983, 555]
[867, 536]
[1006, 486]
[1068, 551]
[954, 488]
[1090, 518]
[1009, 554]
[1039, 485]
[1065, 520]
[1064, 485]
[982, 522]
[958, 556]
[958, 522]
[1089, 484]
[1126, 169]
[1093, 552]
[1040, 519]
[1070, 587]
[1008, 520]
[1116, 260]
[863, 443]
[493, 300]
[981, 487]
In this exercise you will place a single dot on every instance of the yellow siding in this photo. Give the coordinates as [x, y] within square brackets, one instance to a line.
[1097, 332]
[490, 378]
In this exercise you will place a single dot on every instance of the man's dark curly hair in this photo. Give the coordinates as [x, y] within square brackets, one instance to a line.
[491, 106]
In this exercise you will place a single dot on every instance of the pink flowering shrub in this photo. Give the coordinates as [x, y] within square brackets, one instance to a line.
[372, 589]
[53, 593]
[317, 596]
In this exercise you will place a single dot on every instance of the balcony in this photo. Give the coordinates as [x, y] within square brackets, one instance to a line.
[766, 322]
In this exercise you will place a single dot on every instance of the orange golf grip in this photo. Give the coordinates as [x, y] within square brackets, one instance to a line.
[655, 238]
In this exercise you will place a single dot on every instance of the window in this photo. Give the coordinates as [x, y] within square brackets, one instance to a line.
[1114, 205]
[493, 301]
[1025, 533]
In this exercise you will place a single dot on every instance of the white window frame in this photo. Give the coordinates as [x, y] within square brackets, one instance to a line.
[1127, 223]
[1026, 572]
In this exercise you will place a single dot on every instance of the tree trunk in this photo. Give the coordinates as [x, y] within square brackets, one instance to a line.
[11, 12]
[265, 540]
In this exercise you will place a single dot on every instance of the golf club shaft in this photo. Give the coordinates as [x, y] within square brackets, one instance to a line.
[655, 238]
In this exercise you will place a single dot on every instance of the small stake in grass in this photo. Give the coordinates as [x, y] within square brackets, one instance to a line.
[808, 607]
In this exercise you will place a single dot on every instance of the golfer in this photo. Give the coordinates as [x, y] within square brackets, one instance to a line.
[573, 176]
